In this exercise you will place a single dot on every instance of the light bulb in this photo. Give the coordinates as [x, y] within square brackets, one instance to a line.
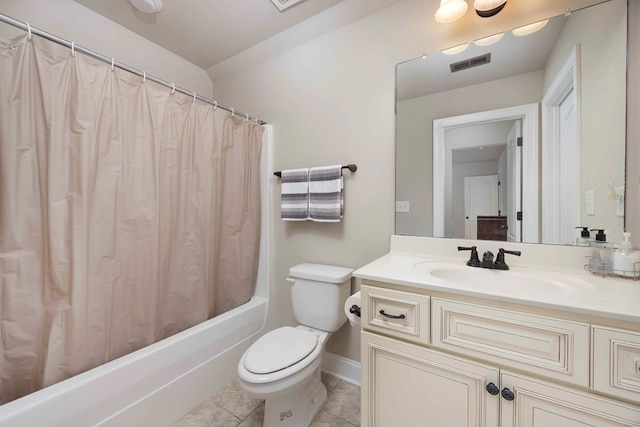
[450, 10]
[456, 49]
[530, 29]
[486, 41]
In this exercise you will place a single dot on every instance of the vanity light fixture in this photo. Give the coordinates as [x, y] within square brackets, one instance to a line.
[147, 6]
[450, 10]
[456, 49]
[486, 41]
[530, 29]
[488, 8]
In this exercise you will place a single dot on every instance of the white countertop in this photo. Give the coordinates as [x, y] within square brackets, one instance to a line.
[586, 293]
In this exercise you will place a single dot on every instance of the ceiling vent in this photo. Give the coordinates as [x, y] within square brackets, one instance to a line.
[470, 63]
[283, 4]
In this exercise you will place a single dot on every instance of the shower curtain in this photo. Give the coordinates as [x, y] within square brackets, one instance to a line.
[127, 213]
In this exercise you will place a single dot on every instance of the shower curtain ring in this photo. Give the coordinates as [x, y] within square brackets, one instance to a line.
[246, 119]
[173, 88]
[194, 97]
[73, 48]
[215, 105]
[113, 63]
[233, 112]
[28, 31]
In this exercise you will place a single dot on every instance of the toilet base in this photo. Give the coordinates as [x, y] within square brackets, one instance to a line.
[297, 406]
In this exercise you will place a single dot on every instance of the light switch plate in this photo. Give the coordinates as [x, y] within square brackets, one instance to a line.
[588, 203]
[402, 206]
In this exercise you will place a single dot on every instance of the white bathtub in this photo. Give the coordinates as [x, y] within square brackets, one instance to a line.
[158, 384]
[153, 386]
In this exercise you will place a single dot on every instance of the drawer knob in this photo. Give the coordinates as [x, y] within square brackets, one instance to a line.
[392, 316]
[492, 389]
[507, 394]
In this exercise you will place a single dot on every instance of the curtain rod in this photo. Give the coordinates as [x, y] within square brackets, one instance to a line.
[32, 30]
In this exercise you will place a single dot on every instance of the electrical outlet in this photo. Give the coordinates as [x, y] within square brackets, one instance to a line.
[402, 206]
[588, 203]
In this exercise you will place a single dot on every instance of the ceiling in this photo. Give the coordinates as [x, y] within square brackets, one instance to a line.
[510, 56]
[206, 32]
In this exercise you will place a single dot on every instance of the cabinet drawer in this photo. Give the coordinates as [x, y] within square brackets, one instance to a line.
[396, 313]
[546, 346]
[616, 362]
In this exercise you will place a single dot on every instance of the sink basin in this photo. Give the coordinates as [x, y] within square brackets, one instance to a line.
[521, 278]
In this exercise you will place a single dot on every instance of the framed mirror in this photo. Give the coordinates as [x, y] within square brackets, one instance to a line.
[518, 137]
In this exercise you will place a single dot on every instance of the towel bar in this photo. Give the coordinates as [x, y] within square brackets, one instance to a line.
[352, 167]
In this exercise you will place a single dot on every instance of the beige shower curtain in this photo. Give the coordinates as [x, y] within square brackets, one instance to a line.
[127, 213]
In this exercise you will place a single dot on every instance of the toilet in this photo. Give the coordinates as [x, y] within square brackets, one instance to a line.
[283, 366]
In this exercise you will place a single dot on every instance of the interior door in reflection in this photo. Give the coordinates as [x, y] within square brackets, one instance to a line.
[480, 199]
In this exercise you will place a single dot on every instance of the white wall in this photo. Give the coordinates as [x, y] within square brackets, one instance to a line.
[71, 21]
[603, 61]
[331, 100]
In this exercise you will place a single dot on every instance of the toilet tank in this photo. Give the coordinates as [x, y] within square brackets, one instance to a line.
[318, 295]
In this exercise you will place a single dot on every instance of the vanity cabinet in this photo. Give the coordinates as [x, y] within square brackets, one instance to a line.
[412, 386]
[485, 366]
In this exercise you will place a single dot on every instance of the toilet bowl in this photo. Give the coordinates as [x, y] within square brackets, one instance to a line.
[283, 366]
[289, 380]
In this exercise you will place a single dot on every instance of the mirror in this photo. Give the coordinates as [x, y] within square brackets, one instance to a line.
[533, 127]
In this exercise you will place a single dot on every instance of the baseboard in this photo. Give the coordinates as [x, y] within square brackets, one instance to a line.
[346, 369]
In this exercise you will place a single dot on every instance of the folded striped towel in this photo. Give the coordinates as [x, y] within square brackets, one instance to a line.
[294, 198]
[326, 201]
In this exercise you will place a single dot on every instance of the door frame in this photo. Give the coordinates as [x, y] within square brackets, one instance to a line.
[443, 155]
[567, 79]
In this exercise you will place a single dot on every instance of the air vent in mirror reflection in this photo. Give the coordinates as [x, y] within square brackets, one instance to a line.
[471, 62]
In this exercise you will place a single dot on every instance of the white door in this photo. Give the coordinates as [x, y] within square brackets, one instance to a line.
[569, 182]
[514, 171]
[480, 198]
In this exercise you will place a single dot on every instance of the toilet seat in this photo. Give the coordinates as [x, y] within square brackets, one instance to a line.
[279, 349]
[290, 367]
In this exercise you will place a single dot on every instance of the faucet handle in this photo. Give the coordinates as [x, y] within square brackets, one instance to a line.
[474, 261]
[500, 264]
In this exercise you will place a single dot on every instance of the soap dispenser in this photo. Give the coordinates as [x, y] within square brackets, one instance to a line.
[584, 238]
[601, 238]
[600, 260]
[625, 259]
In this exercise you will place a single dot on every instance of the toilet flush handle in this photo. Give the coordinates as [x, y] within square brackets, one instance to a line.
[291, 280]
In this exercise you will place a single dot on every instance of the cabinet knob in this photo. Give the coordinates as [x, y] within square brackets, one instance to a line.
[507, 394]
[492, 389]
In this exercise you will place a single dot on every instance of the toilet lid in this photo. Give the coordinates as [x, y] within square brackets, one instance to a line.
[279, 349]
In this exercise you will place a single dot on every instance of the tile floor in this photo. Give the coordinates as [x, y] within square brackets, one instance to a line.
[232, 407]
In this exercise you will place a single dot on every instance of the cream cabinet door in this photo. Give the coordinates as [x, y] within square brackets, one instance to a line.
[411, 386]
[535, 403]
